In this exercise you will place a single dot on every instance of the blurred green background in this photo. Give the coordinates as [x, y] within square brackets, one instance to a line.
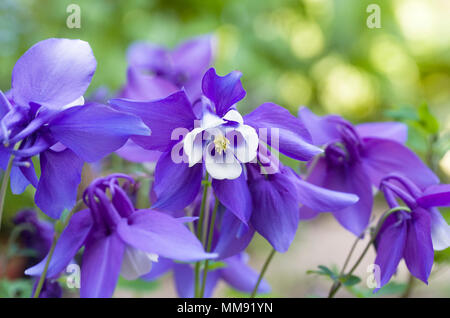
[318, 53]
[312, 52]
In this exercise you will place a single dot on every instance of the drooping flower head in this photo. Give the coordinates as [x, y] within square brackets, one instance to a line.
[356, 158]
[413, 235]
[45, 115]
[118, 239]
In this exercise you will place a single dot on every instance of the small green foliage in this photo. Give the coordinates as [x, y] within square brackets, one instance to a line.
[389, 289]
[350, 280]
[324, 271]
[212, 266]
[346, 280]
[423, 127]
[402, 113]
[442, 257]
[427, 120]
[19, 288]
[138, 285]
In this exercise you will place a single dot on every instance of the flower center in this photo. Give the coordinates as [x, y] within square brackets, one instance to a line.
[221, 143]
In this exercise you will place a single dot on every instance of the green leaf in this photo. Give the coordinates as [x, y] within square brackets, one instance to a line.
[324, 271]
[216, 265]
[392, 288]
[442, 257]
[138, 285]
[427, 120]
[389, 289]
[350, 280]
[402, 113]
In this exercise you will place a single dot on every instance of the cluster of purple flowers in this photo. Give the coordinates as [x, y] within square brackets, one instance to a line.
[212, 164]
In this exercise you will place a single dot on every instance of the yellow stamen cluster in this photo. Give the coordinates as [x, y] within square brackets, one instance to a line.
[221, 143]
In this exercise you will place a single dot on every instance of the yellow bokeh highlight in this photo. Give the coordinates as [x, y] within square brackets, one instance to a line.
[295, 89]
[307, 40]
[425, 24]
[227, 37]
[444, 164]
[344, 88]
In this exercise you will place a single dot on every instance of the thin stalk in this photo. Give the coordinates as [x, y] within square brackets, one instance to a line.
[208, 246]
[5, 182]
[56, 236]
[203, 207]
[200, 232]
[347, 260]
[337, 285]
[263, 271]
[409, 287]
[37, 292]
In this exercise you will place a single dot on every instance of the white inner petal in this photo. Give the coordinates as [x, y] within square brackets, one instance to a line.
[246, 151]
[223, 166]
[136, 263]
[440, 231]
[233, 115]
[210, 120]
[211, 137]
[192, 146]
[78, 102]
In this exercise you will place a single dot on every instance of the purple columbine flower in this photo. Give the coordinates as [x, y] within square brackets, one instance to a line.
[222, 141]
[118, 239]
[413, 235]
[45, 115]
[357, 158]
[235, 272]
[155, 72]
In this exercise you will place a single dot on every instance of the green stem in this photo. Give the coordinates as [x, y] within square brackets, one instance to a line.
[37, 292]
[200, 231]
[56, 236]
[337, 285]
[4, 186]
[263, 271]
[203, 207]
[208, 246]
[409, 287]
[347, 260]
